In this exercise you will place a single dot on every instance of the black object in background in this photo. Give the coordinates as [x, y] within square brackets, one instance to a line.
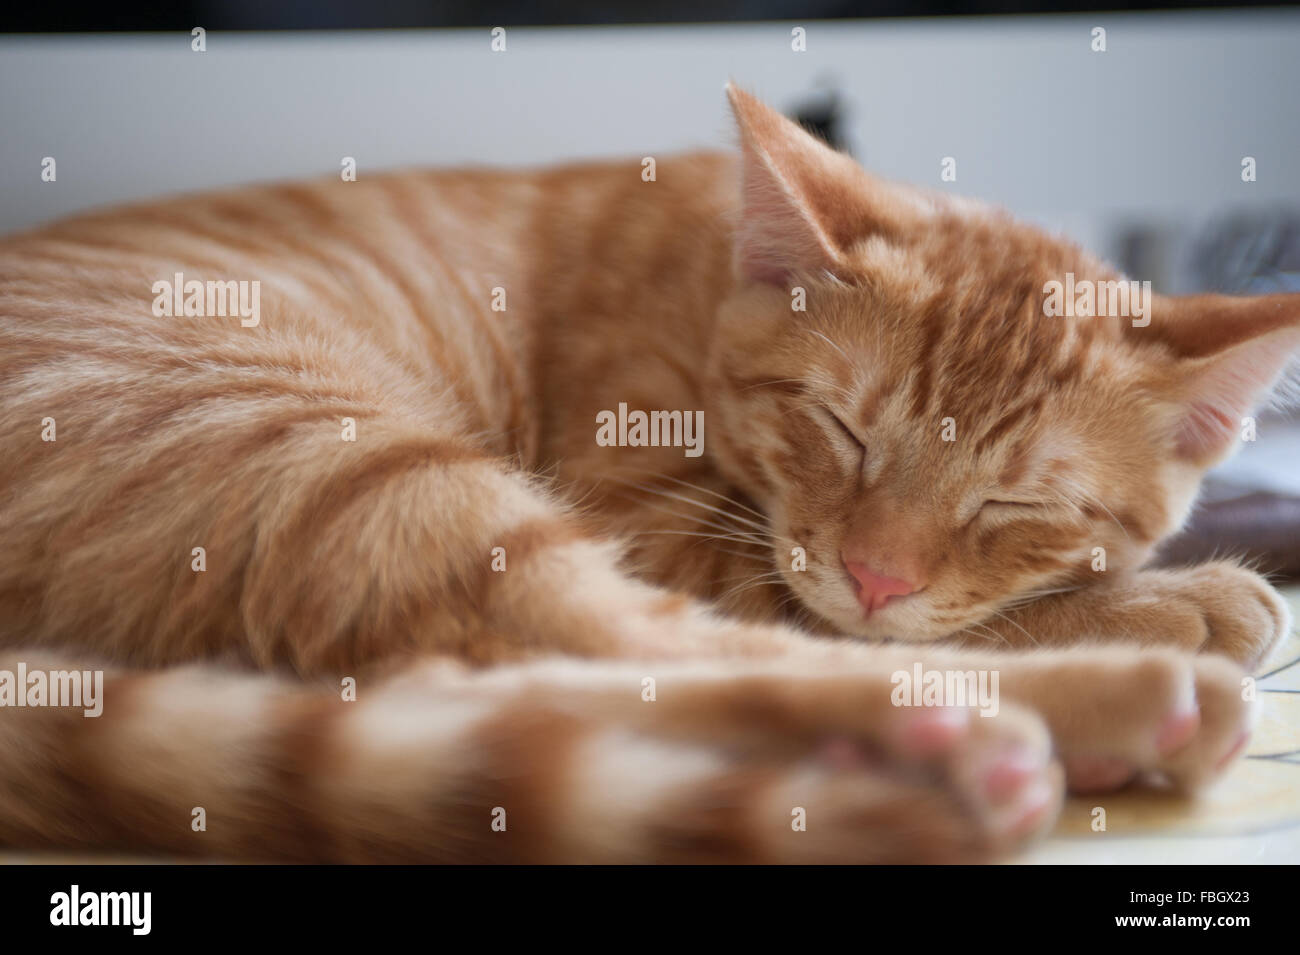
[822, 114]
[397, 14]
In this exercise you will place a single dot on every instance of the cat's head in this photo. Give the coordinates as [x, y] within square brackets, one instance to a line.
[929, 444]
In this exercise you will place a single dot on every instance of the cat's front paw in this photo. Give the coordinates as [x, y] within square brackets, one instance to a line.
[1228, 610]
[1119, 715]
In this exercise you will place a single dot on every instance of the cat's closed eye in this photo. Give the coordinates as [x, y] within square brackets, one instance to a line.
[1008, 507]
[844, 429]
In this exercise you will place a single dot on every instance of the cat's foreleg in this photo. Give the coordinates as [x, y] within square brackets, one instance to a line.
[1220, 607]
[465, 557]
[1115, 712]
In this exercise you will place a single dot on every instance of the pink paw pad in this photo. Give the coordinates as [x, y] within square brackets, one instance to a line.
[929, 731]
[1177, 732]
[1009, 773]
[1031, 810]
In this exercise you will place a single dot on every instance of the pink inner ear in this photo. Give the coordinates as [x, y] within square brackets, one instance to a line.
[1206, 431]
[760, 270]
[1221, 389]
[777, 236]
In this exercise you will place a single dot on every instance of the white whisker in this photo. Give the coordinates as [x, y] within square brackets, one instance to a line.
[1032, 638]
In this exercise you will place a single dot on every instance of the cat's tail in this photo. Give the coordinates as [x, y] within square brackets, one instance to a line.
[206, 760]
[553, 761]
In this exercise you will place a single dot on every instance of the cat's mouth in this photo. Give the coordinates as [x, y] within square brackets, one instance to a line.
[903, 617]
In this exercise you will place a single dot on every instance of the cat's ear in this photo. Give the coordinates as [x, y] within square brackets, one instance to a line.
[1230, 356]
[802, 204]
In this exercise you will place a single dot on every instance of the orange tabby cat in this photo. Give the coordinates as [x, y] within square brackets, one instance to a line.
[411, 455]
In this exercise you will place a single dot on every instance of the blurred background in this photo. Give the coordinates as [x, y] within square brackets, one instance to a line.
[1174, 151]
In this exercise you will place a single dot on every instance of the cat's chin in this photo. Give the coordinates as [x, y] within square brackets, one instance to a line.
[873, 631]
[899, 624]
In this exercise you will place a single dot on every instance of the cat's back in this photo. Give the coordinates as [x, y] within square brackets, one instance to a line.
[409, 287]
[322, 244]
[423, 247]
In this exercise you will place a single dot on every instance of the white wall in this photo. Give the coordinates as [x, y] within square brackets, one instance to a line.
[1157, 125]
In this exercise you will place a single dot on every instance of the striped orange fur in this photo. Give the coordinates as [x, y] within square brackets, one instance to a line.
[394, 477]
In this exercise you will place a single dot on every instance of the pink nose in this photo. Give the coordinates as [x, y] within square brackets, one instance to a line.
[875, 590]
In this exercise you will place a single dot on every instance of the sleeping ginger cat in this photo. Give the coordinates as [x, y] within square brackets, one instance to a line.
[570, 651]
